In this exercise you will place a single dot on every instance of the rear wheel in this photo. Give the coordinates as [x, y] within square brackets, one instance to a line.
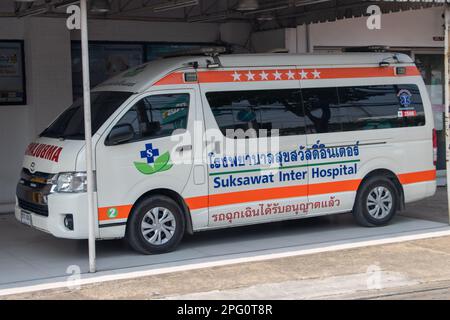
[156, 225]
[376, 202]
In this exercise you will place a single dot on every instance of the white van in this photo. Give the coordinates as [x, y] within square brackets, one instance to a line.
[354, 134]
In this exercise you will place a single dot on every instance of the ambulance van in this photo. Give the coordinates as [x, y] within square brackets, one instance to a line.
[354, 133]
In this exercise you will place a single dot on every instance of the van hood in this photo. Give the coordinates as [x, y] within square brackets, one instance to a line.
[51, 155]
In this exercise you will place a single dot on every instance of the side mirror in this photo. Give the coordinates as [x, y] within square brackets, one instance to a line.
[120, 134]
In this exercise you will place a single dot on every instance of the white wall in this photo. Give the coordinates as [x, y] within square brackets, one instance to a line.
[236, 33]
[292, 39]
[265, 41]
[415, 28]
[11, 118]
[49, 75]
[47, 67]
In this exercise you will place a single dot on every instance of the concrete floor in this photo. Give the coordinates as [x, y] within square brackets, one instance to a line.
[405, 270]
[434, 208]
[28, 256]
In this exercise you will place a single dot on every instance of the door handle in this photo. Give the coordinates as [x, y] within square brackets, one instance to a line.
[186, 147]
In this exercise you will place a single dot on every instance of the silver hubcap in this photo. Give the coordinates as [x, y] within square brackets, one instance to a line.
[379, 202]
[158, 226]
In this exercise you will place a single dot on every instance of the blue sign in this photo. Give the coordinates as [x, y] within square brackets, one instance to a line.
[149, 153]
[405, 98]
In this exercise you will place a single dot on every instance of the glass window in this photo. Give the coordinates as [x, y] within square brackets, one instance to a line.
[380, 107]
[158, 115]
[321, 110]
[258, 109]
[70, 124]
[105, 60]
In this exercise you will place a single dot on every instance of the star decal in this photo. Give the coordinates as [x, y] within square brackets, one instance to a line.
[290, 75]
[303, 74]
[236, 76]
[250, 76]
[277, 75]
[264, 76]
[316, 74]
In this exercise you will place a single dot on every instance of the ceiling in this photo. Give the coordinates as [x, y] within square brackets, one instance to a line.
[270, 14]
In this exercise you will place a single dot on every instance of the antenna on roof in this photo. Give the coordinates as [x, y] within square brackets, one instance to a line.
[386, 62]
[212, 52]
[202, 51]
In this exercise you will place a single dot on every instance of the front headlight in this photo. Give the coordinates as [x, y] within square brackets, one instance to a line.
[70, 182]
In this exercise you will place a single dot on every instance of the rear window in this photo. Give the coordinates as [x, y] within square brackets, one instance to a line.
[70, 124]
[256, 109]
[380, 107]
[318, 110]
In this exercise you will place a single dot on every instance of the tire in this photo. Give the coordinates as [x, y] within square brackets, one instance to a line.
[371, 212]
[143, 227]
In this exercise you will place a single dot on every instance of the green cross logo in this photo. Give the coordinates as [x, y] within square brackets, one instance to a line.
[155, 162]
[112, 213]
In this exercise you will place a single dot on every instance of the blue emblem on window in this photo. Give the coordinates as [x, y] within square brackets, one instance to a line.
[149, 153]
[405, 98]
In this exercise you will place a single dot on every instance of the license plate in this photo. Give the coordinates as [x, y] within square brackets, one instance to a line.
[25, 218]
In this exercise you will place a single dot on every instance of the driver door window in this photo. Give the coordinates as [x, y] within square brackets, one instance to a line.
[157, 116]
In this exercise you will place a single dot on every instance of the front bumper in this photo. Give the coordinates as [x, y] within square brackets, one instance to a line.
[59, 205]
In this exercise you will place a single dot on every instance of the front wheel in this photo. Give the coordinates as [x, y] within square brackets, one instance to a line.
[376, 202]
[156, 225]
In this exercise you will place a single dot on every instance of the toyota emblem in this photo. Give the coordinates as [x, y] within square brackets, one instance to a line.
[32, 167]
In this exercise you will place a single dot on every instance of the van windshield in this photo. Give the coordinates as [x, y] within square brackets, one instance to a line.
[70, 124]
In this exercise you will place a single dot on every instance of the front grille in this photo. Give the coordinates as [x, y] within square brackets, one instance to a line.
[39, 209]
[37, 180]
[44, 175]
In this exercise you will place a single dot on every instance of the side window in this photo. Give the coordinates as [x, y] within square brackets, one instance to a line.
[158, 115]
[380, 107]
[258, 109]
[321, 110]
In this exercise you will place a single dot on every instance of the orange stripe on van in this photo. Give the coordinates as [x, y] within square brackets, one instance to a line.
[222, 199]
[415, 177]
[173, 78]
[122, 212]
[271, 193]
[332, 187]
[197, 202]
[229, 198]
[221, 76]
